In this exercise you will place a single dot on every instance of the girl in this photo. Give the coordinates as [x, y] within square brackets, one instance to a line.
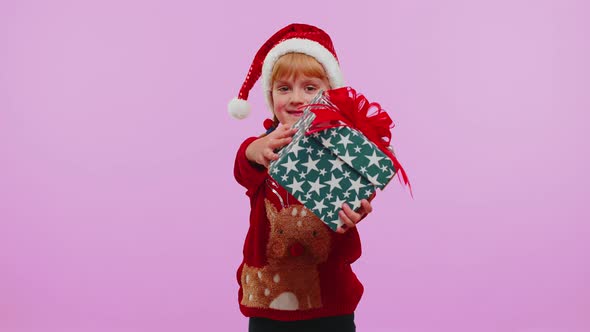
[296, 273]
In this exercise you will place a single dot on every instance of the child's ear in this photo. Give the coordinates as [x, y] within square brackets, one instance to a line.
[271, 211]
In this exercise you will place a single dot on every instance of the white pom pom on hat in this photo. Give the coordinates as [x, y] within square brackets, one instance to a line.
[294, 38]
[238, 108]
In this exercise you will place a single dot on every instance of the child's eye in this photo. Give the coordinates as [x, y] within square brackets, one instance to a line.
[283, 88]
[311, 88]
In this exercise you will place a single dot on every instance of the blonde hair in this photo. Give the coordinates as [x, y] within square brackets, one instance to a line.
[292, 65]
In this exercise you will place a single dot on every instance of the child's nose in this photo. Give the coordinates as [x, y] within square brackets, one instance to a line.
[298, 97]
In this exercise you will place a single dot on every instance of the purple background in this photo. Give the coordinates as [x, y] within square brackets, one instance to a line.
[118, 207]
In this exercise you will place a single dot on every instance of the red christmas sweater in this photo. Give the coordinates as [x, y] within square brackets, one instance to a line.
[294, 266]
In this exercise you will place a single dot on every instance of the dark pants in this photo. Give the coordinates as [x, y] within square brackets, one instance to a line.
[326, 324]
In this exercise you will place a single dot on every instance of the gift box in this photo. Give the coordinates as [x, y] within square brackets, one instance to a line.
[339, 154]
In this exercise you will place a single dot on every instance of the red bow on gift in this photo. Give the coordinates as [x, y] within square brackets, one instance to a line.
[347, 108]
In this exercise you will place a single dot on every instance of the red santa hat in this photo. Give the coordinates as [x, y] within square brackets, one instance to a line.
[294, 38]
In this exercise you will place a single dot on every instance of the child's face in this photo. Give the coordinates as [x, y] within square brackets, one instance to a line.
[290, 93]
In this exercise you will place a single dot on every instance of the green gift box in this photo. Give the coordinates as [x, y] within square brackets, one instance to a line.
[329, 167]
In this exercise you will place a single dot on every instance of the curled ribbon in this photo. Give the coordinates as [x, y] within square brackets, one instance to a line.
[347, 108]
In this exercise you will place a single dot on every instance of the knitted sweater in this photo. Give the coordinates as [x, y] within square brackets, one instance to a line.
[294, 266]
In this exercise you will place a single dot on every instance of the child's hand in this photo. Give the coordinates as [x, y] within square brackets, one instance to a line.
[262, 150]
[351, 218]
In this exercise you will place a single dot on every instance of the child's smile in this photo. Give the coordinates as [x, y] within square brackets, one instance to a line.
[288, 94]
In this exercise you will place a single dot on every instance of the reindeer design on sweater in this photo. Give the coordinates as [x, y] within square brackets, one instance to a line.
[298, 242]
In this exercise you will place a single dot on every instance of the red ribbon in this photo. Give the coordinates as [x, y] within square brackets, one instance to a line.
[350, 109]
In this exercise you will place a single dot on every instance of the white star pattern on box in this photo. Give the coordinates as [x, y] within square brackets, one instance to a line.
[295, 186]
[330, 167]
[311, 164]
[374, 159]
[345, 140]
[356, 185]
[316, 186]
[348, 158]
[295, 149]
[319, 206]
[334, 183]
[290, 165]
[355, 204]
[337, 164]
[337, 203]
[337, 223]
[373, 180]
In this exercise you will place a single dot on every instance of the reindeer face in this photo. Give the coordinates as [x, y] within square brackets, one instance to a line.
[297, 234]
